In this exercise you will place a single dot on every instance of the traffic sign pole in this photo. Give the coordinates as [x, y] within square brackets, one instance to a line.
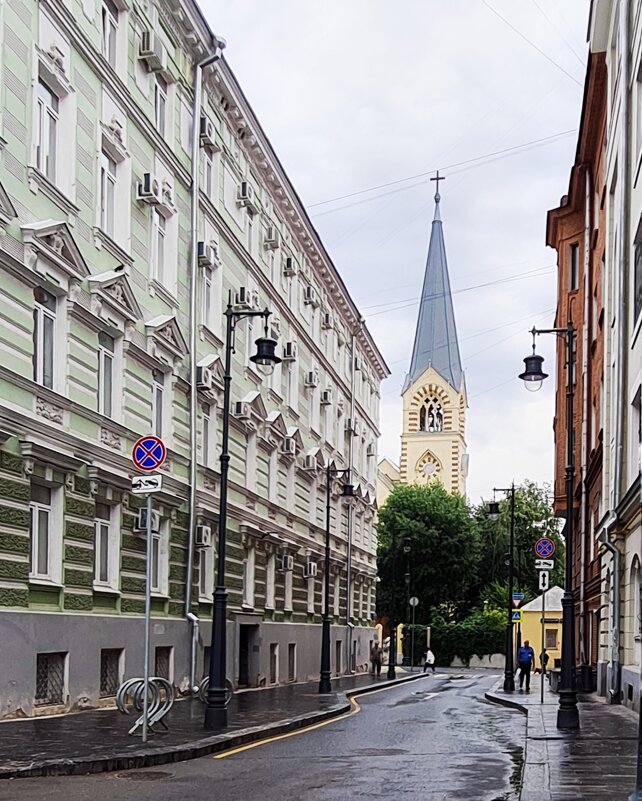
[148, 604]
[542, 661]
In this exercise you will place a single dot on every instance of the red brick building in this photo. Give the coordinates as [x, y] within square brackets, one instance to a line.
[576, 230]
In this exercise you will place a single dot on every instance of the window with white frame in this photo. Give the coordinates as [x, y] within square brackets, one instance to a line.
[159, 567]
[108, 169]
[44, 337]
[250, 461]
[160, 104]
[250, 233]
[109, 31]
[249, 564]
[106, 347]
[41, 513]
[205, 574]
[270, 581]
[208, 296]
[106, 545]
[159, 234]
[158, 402]
[208, 174]
[208, 433]
[273, 475]
[46, 131]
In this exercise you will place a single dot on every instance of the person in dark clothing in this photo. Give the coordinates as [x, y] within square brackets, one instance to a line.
[526, 662]
[543, 660]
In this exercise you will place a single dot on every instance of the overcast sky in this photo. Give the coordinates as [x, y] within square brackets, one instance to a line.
[358, 93]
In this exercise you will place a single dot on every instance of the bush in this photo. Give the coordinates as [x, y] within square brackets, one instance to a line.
[481, 633]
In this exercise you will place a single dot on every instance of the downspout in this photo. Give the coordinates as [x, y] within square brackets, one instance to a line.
[218, 45]
[615, 692]
[584, 666]
[349, 624]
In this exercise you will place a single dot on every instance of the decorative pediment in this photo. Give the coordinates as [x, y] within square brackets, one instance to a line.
[164, 334]
[213, 363]
[315, 457]
[52, 242]
[7, 211]
[114, 289]
[256, 404]
[275, 421]
[294, 433]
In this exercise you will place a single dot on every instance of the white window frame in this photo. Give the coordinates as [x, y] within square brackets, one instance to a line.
[106, 365]
[208, 434]
[42, 313]
[108, 178]
[46, 130]
[159, 248]
[207, 291]
[159, 572]
[107, 528]
[249, 577]
[53, 572]
[160, 104]
[206, 575]
[158, 402]
[109, 20]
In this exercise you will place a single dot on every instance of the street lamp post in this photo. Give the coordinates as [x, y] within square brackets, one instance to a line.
[533, 375]
[265, 359]
[407, 658]
[493, 513]
[392, 624]
[347, 491]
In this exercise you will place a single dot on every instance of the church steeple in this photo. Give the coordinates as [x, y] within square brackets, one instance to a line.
[436, 342]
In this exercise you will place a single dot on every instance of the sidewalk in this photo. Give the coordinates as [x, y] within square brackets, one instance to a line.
[97, 741]
[596, 763]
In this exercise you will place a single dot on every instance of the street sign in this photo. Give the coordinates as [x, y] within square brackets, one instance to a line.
[141, 485]
[517, 615]
[544, 564]
[149, 453]
[413, 601]
[518, 597]
[543, 579]
[544, 547]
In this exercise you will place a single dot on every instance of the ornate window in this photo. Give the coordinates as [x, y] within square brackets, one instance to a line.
[431, 416]
[427, 468]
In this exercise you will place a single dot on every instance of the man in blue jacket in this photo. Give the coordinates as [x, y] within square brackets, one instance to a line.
[526, 661]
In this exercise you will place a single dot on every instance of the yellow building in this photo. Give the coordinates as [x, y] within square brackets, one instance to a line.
[532, 625]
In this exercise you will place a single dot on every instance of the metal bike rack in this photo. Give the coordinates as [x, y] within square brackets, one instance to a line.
[131, 693]
[204, 686]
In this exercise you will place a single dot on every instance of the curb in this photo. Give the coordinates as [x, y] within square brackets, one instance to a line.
[507, 702]
[195, 749]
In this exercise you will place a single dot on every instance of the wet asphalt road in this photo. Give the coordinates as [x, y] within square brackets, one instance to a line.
[435, 739]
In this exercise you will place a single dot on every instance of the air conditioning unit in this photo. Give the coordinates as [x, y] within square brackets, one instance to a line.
[149, 190]
[245, 194]
[141, 521]
[242, 410]
[327, 321]
[310, 462]
[312, 378]
[207, 133]
[203, 537]
[152, 52]
[326, 397]
[289, 266]
[204, 378]
[310, 570]
[371, 450]
[288, 446]
[310, 296]
[290, 351]
[272, 238]
[205, 254]
[287, 562]
[357, 363]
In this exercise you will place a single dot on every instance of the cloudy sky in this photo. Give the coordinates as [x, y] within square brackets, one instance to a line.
[356, 94]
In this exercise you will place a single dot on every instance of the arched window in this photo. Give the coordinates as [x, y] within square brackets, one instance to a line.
[431, 416]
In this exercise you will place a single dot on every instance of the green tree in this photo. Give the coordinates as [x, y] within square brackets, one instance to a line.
[441, 533]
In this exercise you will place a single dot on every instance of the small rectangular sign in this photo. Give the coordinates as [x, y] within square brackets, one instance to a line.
[518, 596]
[517, 615]
[143, 485]
[544, 564]
[543, 579]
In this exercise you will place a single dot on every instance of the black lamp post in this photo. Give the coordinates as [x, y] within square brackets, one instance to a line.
[347, 492]
[392, 654]
[407, 548]
[533, 375]
[493, 513]
[265, 360]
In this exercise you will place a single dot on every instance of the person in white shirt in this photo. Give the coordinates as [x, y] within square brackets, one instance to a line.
[429, 661]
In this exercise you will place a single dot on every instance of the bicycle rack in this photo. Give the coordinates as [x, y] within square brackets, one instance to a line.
[161, 699]
[204, 686]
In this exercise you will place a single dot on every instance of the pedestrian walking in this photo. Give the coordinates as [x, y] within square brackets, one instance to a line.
[429, 661]
[526, 662]
[376, 657]
[543, 661]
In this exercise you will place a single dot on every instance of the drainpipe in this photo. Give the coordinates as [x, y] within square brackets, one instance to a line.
[218, 45]
[349, 624]
[585, 668]
[193, 684]
[615, 692]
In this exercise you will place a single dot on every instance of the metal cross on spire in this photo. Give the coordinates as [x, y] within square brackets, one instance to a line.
[437, 179]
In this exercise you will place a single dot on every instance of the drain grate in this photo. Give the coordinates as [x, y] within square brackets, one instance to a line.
[145, 775]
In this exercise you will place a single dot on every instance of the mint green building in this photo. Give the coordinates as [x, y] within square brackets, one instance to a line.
[128, 217]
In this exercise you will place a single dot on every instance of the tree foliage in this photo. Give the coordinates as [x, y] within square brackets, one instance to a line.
[441, 533]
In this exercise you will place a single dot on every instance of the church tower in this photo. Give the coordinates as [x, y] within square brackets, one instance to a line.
[433, 444]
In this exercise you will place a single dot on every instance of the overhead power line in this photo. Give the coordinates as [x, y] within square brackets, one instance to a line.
[542, 140]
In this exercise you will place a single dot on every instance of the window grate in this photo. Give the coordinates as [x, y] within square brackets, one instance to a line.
[162, 658]
[109, 671]
[50, 678]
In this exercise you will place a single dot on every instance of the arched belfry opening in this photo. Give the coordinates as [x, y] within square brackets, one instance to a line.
[431, 416]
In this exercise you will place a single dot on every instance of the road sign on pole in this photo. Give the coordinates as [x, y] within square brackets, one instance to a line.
[517, 615]
[544, 547]
[518, 597]
[143, 485]
[149, 453]
[543, 579]
[413, 601]
[544, 564]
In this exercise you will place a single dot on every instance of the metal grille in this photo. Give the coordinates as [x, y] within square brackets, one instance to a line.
[50, 678]
[109, 671]
[162, 661]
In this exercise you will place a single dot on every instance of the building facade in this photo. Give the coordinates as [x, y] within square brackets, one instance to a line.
[433, 443]
[130, 215]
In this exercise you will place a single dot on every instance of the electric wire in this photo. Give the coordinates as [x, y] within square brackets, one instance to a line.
[559, 32]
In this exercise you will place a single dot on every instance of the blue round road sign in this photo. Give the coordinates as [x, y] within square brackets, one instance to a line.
[544, 547]
[149, 453]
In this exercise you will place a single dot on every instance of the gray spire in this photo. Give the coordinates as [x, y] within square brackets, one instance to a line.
[436, 342]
